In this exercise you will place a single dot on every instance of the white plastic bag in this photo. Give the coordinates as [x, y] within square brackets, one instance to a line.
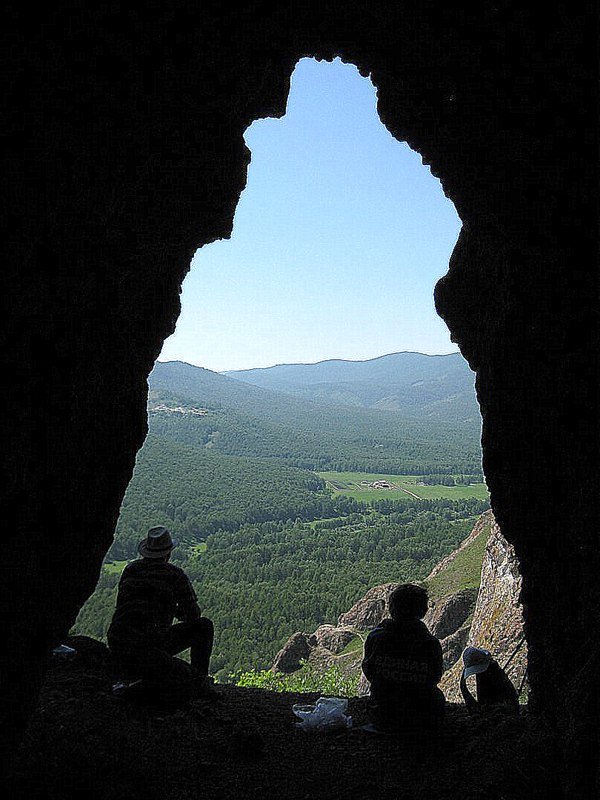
[328, 713]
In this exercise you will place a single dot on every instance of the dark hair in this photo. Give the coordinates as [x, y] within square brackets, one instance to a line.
[408, 601]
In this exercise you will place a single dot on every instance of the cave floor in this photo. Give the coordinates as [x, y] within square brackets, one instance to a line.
[243, 743]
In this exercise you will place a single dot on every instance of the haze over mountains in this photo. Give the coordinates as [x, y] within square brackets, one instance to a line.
[410, 382]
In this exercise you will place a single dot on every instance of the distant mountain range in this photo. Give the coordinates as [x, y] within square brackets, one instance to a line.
[412, 383]
[405, 413]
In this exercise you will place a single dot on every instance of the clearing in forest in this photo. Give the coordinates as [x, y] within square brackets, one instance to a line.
[373, 486]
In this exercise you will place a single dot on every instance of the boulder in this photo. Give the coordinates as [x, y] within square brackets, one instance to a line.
[332, 638]
[295, 650]
[370, 610]
[447, 615]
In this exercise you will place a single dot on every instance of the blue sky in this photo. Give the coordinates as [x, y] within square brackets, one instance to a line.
[338, 240]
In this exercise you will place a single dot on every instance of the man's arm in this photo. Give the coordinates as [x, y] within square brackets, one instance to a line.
[438, 663]
[191, 614]
[188, 609]
[367, 663]
[470, 702]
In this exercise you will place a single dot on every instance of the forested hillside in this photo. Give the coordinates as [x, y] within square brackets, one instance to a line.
[195, 493]
[241, 419]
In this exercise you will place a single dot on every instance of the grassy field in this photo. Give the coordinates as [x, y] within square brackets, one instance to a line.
[354, 646]
[355, 484]
[464, 572]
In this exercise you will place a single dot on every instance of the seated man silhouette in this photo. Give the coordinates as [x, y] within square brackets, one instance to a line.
[403, 663]
[494, 687]
[142, 637]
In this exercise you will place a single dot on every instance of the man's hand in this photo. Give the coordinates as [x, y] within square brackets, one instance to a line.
[189, 614]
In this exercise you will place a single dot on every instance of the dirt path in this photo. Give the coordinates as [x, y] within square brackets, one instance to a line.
[416, 496]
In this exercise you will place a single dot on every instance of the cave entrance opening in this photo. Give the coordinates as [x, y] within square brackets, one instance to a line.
[364, 453]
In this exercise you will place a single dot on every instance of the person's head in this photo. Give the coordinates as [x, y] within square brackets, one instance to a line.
[408, 601]
[476, 660]
[157, 545]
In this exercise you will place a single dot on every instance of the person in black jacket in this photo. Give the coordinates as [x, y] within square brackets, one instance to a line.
[142, 637]
[494, 687]
[403, 663]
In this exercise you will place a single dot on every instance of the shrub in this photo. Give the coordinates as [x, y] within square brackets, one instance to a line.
[305, 680]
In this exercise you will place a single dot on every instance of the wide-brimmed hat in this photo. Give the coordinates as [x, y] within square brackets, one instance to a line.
[476, 659]
[157, 544]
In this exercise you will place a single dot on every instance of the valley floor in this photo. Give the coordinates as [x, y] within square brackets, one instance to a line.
[242, 743]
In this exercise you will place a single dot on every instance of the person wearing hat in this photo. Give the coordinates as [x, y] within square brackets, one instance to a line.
[403, 662]
[494, 687]
[142, 637]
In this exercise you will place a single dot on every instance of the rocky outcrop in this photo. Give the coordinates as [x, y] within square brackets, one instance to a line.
[325, 646]
[331, 638]
[368, 612]
[453, 645]
[489, 616]
[318, 648]
[498, 617]
[447, 615]
[293, 652]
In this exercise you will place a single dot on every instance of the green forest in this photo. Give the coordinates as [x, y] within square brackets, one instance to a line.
[195, 493]
[388, 442]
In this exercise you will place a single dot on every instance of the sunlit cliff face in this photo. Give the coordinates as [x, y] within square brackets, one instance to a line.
[127, 154]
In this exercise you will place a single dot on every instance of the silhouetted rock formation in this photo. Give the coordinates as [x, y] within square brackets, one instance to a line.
[85, 744]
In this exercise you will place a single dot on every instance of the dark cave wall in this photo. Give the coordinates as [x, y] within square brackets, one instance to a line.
[126, 154]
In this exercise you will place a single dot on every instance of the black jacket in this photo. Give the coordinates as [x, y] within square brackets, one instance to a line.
[494, 688]
[151, 593]
[403, 663]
